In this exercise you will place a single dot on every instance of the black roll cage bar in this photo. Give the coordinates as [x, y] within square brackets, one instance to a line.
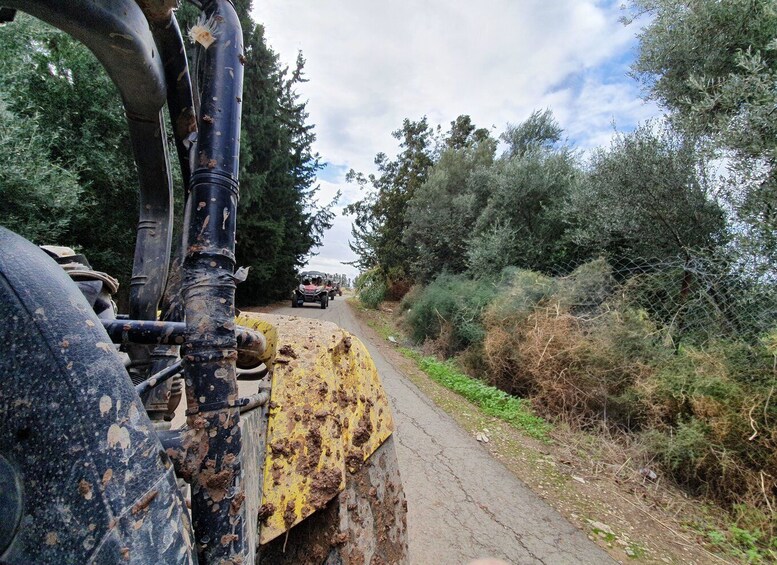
[140, 45]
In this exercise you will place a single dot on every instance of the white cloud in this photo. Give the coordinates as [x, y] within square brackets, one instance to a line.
[327, 191]
[337, 250]
[372, 64]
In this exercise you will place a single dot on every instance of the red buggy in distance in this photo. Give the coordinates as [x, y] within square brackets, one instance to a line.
[310, 289]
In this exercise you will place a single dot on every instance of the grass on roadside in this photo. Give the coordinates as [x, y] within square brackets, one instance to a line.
[491, 400]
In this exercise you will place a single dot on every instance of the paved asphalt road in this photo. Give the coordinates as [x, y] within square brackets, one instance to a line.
[462, 503]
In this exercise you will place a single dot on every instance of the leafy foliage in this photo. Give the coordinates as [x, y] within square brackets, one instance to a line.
[52, 84]
[443, 210]
[380, 218]
[527, 191]
[371, 287]
[648, 195]
[700, 58]
[492, 250]
[540, 132]
[68, 175]
[714, 66]
[38, 195]
[449, 311]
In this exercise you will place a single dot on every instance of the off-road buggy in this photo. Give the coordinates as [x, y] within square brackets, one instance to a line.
[297, 466]
[330, 289]
[311, 289]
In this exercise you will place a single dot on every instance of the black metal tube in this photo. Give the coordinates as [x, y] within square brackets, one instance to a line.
[180, 101]
[173, 441]
[117, 32]
[251, 344]
[209, 352]
[254, 401]
[159, 378]
[155, 230]
[145, 332]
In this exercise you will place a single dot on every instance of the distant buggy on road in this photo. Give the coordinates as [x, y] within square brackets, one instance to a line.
[311, 289]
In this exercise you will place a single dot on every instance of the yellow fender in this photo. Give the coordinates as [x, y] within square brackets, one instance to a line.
[328, 414]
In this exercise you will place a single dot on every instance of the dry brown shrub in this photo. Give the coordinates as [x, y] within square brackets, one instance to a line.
[707, 408]
[397, 288]
[440, 346]
[570, 367]
[554, 347]
[501, 355]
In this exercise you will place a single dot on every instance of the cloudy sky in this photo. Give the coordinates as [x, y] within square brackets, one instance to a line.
[372, 64]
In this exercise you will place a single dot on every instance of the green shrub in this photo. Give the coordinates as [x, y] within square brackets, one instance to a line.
[371, 288]
[410, 298]
[682, 448]
[449, 310]
[717, 419]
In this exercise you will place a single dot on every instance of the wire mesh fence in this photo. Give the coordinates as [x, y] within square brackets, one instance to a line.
[677, 354]
[692, 299]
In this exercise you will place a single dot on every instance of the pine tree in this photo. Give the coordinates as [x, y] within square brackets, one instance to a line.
[278, 220]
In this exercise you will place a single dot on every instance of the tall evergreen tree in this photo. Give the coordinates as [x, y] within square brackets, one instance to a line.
[279, 222]
[381, 220]
[53, 84]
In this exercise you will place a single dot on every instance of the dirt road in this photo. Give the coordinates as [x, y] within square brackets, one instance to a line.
[462, 503]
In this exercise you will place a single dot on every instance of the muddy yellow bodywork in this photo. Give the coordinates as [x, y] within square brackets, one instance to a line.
[255, 322]
[328, 414]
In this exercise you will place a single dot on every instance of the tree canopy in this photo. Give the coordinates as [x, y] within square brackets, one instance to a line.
[713, 66]
[648, 195]
[380, 218]
[539, 205]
